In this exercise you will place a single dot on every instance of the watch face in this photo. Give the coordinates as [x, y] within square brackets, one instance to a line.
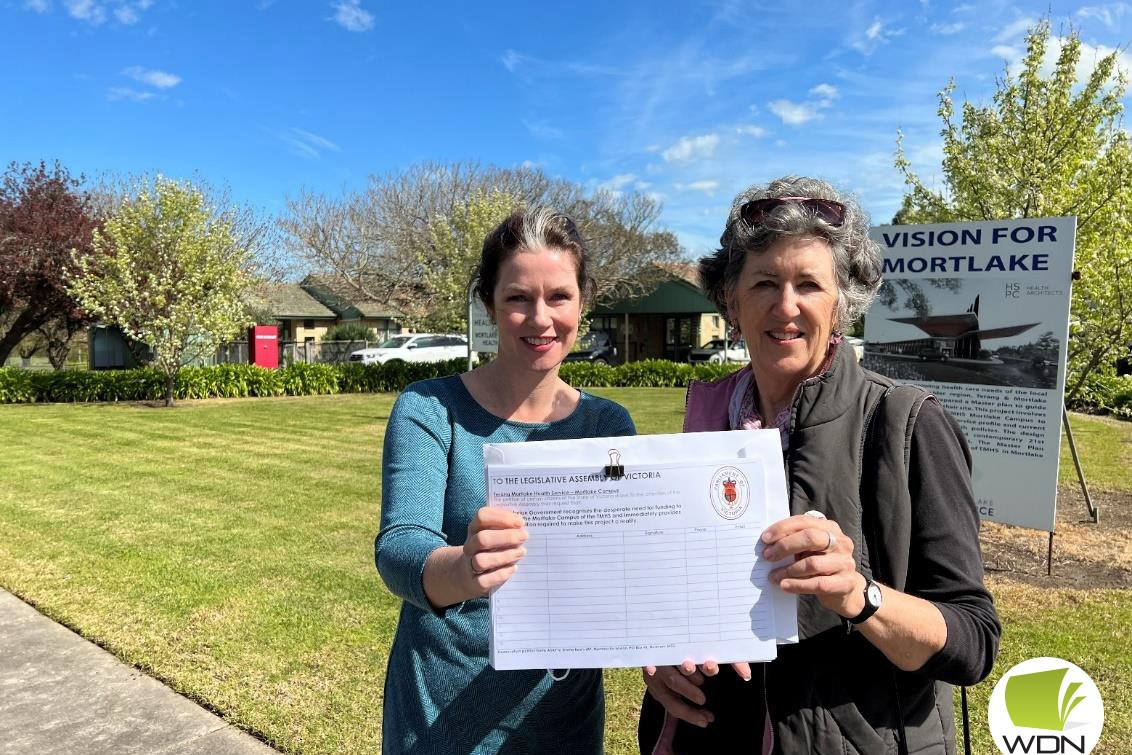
[873, 594]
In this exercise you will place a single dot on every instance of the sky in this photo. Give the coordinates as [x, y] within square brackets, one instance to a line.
[687, 101]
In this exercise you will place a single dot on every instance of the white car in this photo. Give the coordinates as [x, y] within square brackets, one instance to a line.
[714, 351]
[416, 347]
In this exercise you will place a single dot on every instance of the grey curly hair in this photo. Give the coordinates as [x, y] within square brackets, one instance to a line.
[856, 258]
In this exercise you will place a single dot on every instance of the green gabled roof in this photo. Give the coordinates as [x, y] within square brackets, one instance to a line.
[286, 301]
[679, 293]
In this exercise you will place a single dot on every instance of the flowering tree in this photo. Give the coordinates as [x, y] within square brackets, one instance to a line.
[168, 269]
[455, 242]
[1049, 146]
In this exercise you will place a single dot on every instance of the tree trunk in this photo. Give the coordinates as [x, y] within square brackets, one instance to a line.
[1097, 356]
[58, 351]
[170, 384]
[25, 323]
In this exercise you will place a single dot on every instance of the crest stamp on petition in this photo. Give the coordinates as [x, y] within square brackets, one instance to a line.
[730, 492]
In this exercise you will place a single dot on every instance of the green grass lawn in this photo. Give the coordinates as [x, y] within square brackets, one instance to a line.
[225, 547]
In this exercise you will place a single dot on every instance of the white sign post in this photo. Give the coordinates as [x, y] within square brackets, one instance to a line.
[978, 313]
[482, 333]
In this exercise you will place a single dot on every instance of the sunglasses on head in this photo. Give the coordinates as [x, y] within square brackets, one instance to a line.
[755, 212]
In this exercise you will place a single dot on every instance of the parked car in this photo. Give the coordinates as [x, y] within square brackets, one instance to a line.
[931, 353]
[858, 345]
[595, 346]
[417, 347]
[717, 350]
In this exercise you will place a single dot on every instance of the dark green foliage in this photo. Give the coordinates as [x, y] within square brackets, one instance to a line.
[650, 373]
[351, 331]
[1105, 393]
[243, 380]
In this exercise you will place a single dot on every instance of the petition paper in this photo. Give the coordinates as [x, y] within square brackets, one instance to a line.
[638, 555]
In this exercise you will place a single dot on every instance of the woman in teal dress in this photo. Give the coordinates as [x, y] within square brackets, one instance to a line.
[441, 549]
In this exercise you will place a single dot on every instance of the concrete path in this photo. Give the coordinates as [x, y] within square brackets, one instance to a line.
[62, 694]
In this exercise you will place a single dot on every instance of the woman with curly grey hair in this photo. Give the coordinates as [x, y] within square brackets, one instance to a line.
[882, 547]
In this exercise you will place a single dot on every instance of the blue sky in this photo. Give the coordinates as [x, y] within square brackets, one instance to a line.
[687, 101]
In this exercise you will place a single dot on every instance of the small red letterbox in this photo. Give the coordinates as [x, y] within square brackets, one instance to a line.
[263, 346]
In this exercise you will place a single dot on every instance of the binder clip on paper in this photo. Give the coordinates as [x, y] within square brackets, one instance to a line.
[614, 470]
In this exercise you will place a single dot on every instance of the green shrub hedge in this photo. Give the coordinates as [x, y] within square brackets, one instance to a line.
[241, 380]
[1106, 393]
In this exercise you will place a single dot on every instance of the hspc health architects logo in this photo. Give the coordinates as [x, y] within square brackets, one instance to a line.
[1046, 705]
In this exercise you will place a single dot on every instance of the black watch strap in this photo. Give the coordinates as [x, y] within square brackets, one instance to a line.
[873, 600]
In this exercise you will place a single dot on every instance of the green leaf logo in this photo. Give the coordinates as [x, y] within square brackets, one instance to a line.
[1032, 700]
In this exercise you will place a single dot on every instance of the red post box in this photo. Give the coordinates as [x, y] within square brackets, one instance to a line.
[263, 346]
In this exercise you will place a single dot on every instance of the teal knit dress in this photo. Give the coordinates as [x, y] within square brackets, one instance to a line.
[441, 696]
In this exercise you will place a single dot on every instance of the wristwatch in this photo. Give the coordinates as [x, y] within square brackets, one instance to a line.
[873, 599]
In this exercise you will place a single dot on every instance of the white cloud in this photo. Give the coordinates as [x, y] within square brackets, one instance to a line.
[511, 60]
[1109, 15]
[158, 79]
[691, 148]
[1015, 29]
[306, 144]
[1090, 56]
[351, 16]
[642, 185]
[529, 67]
[794, 113]
[617, 183]
[1008, 53]
[94, 12]
[126, 93]
[543, 130]
[707, 187]
[826, 94]
[948, 29]
[874, 35]
[755, 131]
[86, 10]
[127, 14]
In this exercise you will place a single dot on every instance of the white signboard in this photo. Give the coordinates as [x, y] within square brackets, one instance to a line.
[482, 333]
[978, 313]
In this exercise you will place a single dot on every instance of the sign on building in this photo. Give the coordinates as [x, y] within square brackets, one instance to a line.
[978, 313]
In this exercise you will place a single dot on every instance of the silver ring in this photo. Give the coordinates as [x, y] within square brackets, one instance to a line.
[814, 514]
[832, 541]
[472, 566]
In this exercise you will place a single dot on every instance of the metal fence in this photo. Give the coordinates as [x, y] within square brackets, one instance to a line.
[292, 352]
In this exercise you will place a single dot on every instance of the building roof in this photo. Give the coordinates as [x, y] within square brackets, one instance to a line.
[677, 292]
[286, 301]
[337, 293]
[689, 272]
